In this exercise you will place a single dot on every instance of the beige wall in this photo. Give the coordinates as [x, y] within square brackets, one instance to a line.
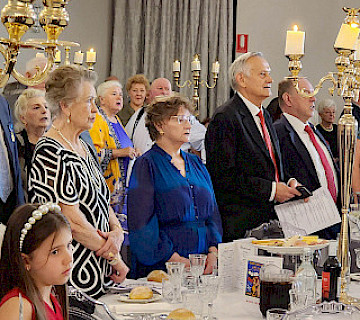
[90, 25]
[266, 22]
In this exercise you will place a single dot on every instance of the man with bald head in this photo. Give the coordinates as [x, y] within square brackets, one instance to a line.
[306, 155]
[139, 134]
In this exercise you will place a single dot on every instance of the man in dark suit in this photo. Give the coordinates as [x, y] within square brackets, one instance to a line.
[242, 151]
[11, 192]
[306, 155]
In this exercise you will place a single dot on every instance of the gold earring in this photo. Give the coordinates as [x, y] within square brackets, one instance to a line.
[68, 119]
[161, 133]
[27, 268]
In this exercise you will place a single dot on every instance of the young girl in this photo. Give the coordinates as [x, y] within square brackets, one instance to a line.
[36, 260]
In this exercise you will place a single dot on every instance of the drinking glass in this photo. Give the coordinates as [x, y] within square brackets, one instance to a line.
[357, 257]
[209, 289]
[175, 271]
[197, 265]
[276, 314]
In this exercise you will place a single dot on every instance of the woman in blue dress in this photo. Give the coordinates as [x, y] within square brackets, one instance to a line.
[172, 210]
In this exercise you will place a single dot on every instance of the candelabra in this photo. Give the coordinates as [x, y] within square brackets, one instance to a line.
[78, 57]
[196, 82]
[345, 83]
[18, 16]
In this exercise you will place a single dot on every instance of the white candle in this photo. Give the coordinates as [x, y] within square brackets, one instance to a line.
[357, 50]
[57, 56]
[195, 65]
[216, 67]
[295, 41]
[40, 55]
[176, 66]
[91, 56]
[346, 37]
[78, 57]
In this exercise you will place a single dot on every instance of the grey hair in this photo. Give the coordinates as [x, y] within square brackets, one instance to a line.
[325, 103]
[36, 62]
[240, 66]
[101, 89]
[63, 85]
[21, 105]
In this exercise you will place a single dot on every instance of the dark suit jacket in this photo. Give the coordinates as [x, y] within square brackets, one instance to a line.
[240, 166]
[296, 158]
[10, 141]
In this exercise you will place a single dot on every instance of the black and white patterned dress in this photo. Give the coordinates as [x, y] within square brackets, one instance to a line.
[60, 175]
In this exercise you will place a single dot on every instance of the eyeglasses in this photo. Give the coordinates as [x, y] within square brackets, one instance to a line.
[182, 119]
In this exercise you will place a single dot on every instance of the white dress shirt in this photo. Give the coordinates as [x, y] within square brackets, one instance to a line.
[299, 127]
[254, 110]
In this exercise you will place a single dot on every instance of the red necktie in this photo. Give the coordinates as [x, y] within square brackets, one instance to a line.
[328, 170]
[268, 143]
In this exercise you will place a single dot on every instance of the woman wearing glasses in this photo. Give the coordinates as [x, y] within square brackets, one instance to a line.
[177, 214]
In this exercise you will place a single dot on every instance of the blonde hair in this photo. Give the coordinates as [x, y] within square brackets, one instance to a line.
[21, 106]
[138, 78]
[64, 83]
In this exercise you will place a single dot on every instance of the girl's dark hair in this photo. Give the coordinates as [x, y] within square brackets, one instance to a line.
[161, 109]
[12, 268]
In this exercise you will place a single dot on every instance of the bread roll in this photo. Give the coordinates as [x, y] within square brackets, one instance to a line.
[157, 276]
[181, 314]
[141, 293]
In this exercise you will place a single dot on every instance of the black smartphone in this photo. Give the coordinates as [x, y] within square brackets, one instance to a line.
[305, 193]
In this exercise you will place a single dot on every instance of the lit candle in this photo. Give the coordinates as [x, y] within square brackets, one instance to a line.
[195, 65]
[57, 56]
[91, 56]
[357, 50]
[78, 57]
[40, 55]
[216, 67]
[295, 41]
[346, 37]
[176, 66]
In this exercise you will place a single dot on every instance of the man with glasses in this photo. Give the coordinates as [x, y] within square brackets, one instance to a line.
[242, 151]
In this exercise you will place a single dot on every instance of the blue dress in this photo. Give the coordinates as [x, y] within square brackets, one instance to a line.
[168, 212]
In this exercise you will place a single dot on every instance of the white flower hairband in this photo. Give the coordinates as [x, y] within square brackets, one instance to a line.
[37, 215]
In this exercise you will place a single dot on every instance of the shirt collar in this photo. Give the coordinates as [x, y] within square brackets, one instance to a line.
[254, 110]
[296, 123]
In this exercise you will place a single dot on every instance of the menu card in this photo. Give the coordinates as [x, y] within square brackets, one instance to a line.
[239, 267]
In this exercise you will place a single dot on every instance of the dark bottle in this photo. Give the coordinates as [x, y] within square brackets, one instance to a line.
[331, 275]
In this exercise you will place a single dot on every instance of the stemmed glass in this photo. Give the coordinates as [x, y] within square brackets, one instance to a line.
[209, 289]
[197, 265]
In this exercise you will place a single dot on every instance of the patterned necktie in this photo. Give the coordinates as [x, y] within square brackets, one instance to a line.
[5, 183]
[328, 170]
[268, 144]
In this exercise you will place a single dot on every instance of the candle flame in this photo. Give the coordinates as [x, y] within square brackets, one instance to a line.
[354, 25]
[295, 28]
[91, 50]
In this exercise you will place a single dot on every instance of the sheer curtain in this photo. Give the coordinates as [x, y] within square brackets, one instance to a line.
[150, 34]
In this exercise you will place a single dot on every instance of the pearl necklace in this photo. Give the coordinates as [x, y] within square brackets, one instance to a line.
[326, 129]
[77, 154]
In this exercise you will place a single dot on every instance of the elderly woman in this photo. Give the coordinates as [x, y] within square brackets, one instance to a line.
[137, 87]
[64, 170]
[327, 111]
[172, 210]
[115, 149]
[32, 119]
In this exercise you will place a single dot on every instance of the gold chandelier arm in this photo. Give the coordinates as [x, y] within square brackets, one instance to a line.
[329, 76]
[40, 75]
[5, 74]
[204, 83]
[186, 83]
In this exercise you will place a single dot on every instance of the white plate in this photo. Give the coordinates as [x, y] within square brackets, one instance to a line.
[125, 298]
[290, 250]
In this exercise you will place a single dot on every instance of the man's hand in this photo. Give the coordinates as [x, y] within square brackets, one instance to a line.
[285, 193]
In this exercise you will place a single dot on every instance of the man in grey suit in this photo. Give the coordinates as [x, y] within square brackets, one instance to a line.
[242, 151]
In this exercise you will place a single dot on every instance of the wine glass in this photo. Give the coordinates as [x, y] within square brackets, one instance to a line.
[197, 265]
[209, 289]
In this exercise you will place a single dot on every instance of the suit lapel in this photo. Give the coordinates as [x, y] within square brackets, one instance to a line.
[250, 126]
[300, 148]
